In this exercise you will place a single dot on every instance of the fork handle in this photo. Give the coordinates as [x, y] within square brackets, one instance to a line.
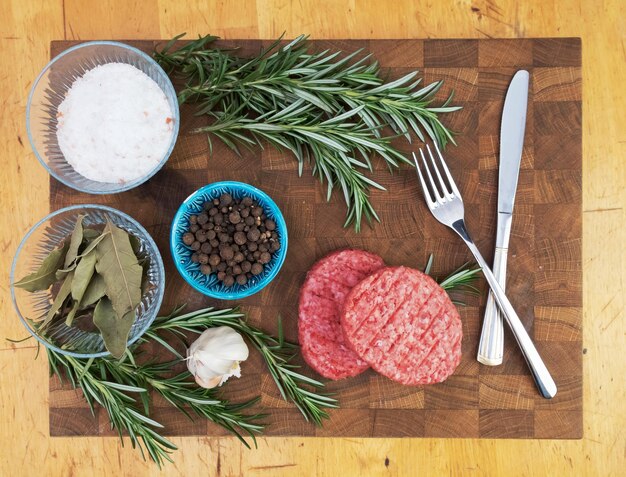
[540, 373]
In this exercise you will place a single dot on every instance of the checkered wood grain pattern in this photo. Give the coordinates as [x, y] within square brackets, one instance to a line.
[544, 272]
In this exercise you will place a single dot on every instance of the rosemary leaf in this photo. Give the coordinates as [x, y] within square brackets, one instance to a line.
[325, 109]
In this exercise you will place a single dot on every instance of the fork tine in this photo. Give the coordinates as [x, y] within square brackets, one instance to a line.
[438, 197]
[447, 171]
[429, 199]
[444, 188]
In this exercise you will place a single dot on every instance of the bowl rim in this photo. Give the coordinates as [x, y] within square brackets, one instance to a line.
[280, 259]
[150, 240]
[169, 92]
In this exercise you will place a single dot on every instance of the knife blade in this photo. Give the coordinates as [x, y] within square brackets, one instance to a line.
[512, 129]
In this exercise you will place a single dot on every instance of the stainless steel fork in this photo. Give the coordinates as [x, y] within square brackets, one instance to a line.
[445, 202]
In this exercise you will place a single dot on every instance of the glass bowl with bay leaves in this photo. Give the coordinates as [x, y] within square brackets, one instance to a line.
[87, 281]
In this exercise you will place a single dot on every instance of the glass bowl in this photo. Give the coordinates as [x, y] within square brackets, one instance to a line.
[181, 253]
[49, 90]
[50, 233]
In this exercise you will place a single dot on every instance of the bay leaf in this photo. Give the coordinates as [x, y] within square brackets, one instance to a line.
[75, 241]
[114, 330]
[70, 315]
[92, 245]
[62, 295]
[45, 276]
[62, 273]
[135, 243]
[82, 276]
[90, 234]
[118, 265]
[95, 290]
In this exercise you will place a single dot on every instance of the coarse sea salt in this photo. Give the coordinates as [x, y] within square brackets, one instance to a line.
[115, 124]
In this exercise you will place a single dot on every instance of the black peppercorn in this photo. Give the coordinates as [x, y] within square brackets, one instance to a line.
[257, 268]
[226, 253]
[240, 238]
[206, 248]
[225, 199]
[245, 266]
[274, 246]
[194, 228]
[201, 236]
[265, 258]
[253, 234]
[256, 211]
[252, 246]
[203, 218]
[213, 211]
[234, 217]
[188, 238]
[214, 259]
[203, 258]
[195, 246]
[270, 224]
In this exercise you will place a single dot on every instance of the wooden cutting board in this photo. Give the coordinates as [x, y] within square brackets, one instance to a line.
[544, 279]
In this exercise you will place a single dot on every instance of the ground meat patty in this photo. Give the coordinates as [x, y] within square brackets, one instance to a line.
[321, 301]
[404, 325]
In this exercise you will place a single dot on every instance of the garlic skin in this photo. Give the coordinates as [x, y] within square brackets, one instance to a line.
[215, 356]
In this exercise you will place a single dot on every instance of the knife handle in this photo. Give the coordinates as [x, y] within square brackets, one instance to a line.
[491, 345]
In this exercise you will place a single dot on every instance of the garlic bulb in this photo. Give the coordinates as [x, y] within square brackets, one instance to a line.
[215, 356]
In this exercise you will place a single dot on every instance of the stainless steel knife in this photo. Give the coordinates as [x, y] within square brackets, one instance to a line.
[491, 346]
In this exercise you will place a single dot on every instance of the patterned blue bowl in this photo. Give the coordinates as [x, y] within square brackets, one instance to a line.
[209, 284]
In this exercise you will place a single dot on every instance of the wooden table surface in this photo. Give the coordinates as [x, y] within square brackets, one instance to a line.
[26, 29]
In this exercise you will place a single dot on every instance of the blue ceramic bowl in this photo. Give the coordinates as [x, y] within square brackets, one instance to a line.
[209, 284]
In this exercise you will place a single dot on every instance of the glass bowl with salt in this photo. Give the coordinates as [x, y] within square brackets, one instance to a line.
[102, 117]
[32, 264]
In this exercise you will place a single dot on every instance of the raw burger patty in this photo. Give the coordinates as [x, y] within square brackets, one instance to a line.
[321, 300]
[404, 325]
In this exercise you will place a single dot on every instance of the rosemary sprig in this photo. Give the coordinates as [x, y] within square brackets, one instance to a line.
[276, 352]
[124, 413]
[298, 101]
[184, 394]
[460, 280]
[108, 382]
